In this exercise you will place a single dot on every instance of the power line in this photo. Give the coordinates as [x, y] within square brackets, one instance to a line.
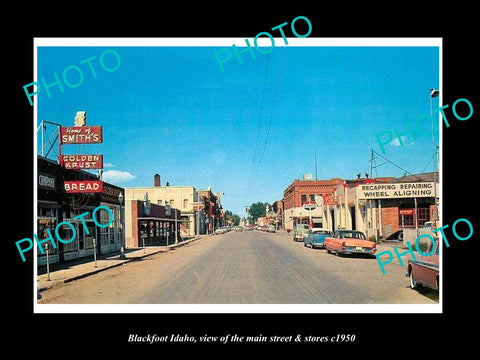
[270, 121]
[252, 169]
[261, 110]
[274, 101]
[391, 162]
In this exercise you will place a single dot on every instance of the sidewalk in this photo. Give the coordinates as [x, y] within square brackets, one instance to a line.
[64, 273]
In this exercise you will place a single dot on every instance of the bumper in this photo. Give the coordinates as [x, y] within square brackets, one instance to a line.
[358, 250]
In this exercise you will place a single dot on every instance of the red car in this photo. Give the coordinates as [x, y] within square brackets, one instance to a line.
[349, 242]
[424, 270]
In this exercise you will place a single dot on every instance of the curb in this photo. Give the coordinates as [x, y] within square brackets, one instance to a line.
[127, 260]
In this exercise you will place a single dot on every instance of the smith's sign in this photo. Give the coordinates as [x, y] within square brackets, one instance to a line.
[81, 135]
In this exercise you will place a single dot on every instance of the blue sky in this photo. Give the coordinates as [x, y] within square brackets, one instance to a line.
[172, 111]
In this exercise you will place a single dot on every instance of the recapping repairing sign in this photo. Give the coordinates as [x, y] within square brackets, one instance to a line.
[397, 190]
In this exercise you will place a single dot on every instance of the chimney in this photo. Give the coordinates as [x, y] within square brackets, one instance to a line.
[156, 180]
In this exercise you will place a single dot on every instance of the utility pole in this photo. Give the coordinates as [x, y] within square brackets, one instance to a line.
[434, 93]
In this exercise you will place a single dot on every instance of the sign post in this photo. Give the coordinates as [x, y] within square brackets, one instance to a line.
[197, 207]
[81, 133]
[310, 206]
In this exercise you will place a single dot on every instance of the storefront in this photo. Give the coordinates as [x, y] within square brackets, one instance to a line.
[56, 205]
[382, 209]
[110, 237]
[149, 224]
[398, 205]
[48, 203]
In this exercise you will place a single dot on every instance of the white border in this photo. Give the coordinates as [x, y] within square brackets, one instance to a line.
[238, 308]
[239, 42]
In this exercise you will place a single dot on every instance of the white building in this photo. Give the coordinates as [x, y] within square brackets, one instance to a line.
[178, 197]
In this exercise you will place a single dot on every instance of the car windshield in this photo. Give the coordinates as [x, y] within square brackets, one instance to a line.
[302, 227]
[352, 235]
[321, 232]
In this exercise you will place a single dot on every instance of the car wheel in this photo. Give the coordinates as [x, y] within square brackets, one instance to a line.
[413, 283]
[305, 244]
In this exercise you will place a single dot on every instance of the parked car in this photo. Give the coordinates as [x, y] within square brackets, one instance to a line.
[238, 228]
[397, 235]
[349, 242]
[300, 231]
[219, 230]
[271, 228]
[424, 270]
[316, 237]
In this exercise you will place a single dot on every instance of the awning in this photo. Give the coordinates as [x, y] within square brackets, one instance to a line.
[163, 219]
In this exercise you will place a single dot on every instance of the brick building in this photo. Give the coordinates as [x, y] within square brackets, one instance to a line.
[380, 207]
[213, 214]
[151, 224]
[300, 191]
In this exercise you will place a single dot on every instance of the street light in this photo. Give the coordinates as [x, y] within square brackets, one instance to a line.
[122, 222]
[434, 93]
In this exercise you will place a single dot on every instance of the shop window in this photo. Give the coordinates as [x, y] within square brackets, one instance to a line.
[42, 227]
[44, 211]
[152, 229]
[406, 217]
[104, 236]
[406, 220]
[67, 234]
[423, 216]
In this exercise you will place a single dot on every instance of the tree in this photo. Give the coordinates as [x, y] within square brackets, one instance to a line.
[258, 210]
[232, 218]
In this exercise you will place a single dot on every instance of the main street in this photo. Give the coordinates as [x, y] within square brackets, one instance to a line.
[249, 267]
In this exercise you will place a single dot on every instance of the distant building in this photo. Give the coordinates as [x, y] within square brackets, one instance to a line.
[213, 214]
[150, 224]
[188, 200]
[278, 211]
[301, 191]
[177, 197]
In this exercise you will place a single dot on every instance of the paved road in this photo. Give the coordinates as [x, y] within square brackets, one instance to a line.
[243, 268]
